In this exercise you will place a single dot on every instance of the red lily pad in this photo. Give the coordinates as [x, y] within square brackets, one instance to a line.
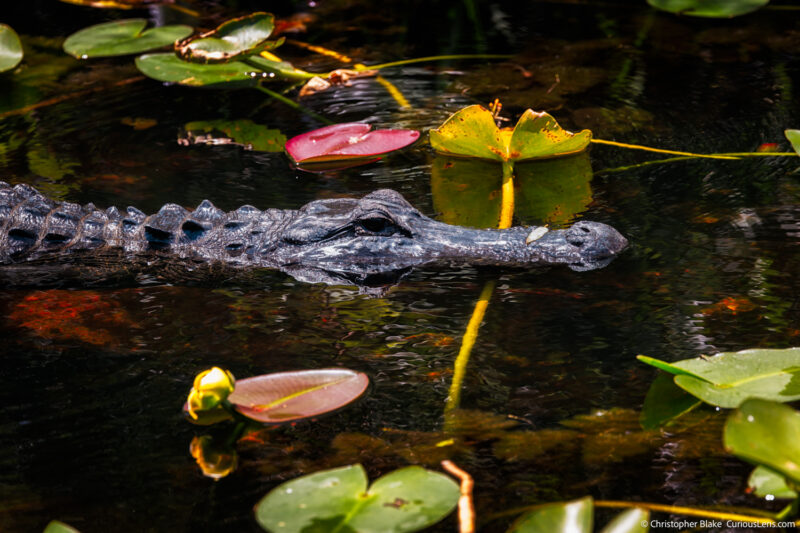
[286, 397]
[347, 142]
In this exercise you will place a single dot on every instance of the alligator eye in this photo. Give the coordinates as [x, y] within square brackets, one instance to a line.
[376, 226]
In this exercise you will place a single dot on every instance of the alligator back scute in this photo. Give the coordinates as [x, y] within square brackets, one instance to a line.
[200, 221]
[236, 229]
[27, 221]
[62, 225]
[163, 228]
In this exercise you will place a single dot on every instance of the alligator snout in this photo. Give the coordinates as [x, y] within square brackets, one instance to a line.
[597, 241]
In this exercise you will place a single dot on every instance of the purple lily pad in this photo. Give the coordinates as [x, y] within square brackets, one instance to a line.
[346, 143]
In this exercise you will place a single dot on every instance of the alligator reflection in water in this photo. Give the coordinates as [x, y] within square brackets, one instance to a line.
[332, 241]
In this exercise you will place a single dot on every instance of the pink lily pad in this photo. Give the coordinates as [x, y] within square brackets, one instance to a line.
[347, 142]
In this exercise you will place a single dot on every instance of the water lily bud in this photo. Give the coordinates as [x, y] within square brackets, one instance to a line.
[211, 387]
[215, 461]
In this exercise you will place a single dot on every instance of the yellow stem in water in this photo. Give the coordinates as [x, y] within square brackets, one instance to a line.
[659, 150]
[394, 92]
[687, 511]
[507, 205]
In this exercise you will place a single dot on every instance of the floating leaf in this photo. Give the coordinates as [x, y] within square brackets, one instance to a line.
[766, 433]
[59, 527]
[243, 132]
[472, 132]
[290, 396]
[577, 517]
[709, 8]
[347, 142]
[665, 401]
[233, 38]
[408, 499]
[10, 48]
[728, 379]
[794, 138]
[121, 37]
[765, 483]
[168, 67]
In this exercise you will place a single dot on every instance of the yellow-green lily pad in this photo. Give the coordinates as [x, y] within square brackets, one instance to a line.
[121, 37]
[10, 48]
[472, 132]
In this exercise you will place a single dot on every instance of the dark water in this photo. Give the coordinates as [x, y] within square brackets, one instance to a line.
[92, 383]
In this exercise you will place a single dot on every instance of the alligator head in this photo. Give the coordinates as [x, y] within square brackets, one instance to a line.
[382, 232]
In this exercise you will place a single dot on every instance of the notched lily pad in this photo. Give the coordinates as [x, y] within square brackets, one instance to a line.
[472, 132]
[245, 133]
[290, 396]
[728, 379]
[169, 68]
[239, 37]
[121, 37]
[408, 499]
[709, 8]
[10, 48]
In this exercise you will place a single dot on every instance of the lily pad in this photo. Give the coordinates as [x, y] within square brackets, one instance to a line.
[286, 397]
[728, 379]
[238, 37]
[794, 138]
[665, 401]
[168, 67]
[408, 499]
[766, 433]
[346, 142]
[577, 517]
[709, 8]
[122, 37]
[10, 48]
[57, 526]
[243, 132]
[472, 132]
[767, 483]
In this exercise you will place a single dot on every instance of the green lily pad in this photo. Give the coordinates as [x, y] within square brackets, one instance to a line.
[57, 526]
[472, 132]
[10, 48]
[577, 517]
[408, 499]
[573, 517]
[766, 433]
[238, 37]
[767, 483]
[243, 132]
[665, 401]
[709, 8]
[121, 37]
[728, 379]
[169, 68]
[794, 138]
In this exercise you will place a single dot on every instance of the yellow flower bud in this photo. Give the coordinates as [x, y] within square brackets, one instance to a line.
[211, 387]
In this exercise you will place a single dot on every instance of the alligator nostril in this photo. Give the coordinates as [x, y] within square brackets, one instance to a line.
[584, 229]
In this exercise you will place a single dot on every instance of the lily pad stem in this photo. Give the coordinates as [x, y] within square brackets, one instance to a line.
[660, 151]
[431, 58]
[294, 105]
[687, 511]
[236, 433]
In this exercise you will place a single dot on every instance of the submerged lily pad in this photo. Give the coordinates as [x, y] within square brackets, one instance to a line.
[472, 132]
[233, 38]
[121, 37]
[766, 483]
[709, 8]
[766, 433]
[243, 132]
[408, 499]
[577, 517]
[286, 397]
[10, 48]
[347, 142]
[665, 401]
[728, 379]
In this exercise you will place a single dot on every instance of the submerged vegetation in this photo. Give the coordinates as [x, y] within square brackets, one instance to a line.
[732, 404]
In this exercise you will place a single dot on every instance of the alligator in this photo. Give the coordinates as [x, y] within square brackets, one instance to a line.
[335, 241]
